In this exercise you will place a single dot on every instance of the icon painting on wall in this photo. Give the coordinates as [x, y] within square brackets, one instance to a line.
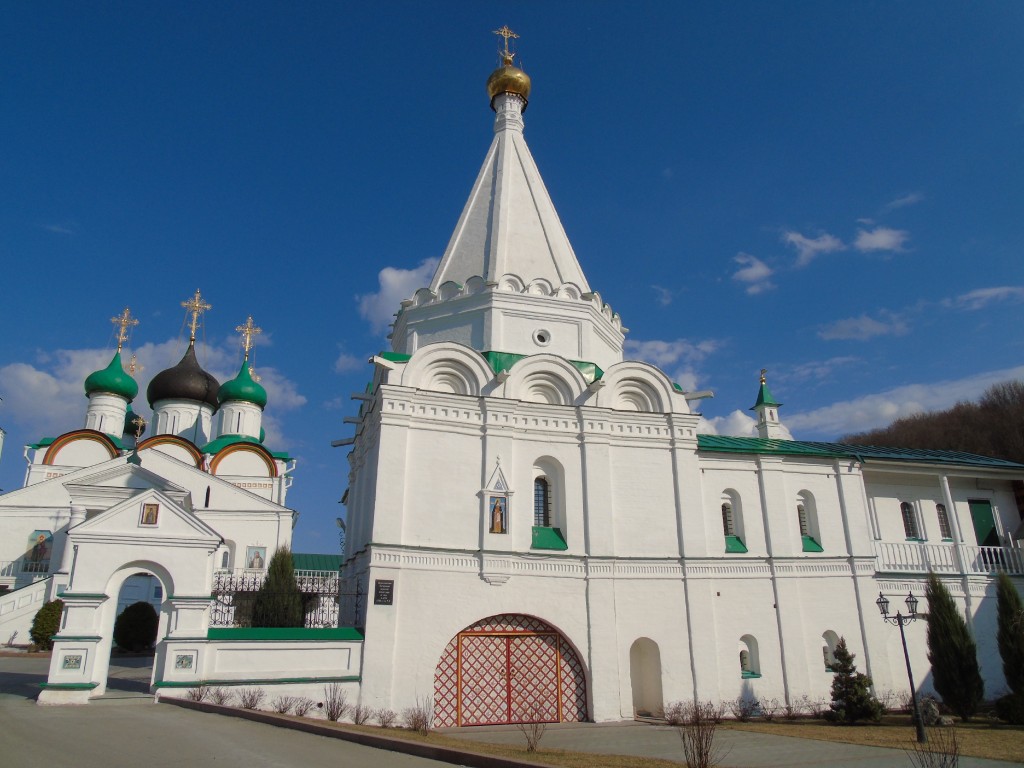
[255, 558]
[499, 514]
[40, 545]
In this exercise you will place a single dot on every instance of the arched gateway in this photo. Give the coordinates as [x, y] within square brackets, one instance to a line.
[509, 669]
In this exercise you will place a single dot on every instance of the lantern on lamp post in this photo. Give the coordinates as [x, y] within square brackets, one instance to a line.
[901, 621]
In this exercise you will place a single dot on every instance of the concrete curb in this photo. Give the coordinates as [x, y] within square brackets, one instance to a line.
[464, 757]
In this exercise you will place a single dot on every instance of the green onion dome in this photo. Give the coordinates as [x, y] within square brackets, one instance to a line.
[130, 427]
[112, 380]
[185, 381]
[244, 388]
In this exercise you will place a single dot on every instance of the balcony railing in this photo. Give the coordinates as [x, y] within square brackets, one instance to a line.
[20, 568]
[914, 557]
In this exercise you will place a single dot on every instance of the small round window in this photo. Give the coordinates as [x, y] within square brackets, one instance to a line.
[542, 337]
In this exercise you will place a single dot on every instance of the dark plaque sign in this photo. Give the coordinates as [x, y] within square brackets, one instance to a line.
[383, 591]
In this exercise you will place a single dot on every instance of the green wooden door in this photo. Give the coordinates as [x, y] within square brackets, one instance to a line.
[984, 523]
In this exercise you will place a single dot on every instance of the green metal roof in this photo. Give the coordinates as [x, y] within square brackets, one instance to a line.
[866, 453]
[113, 380]
[43, 442]
[310, 562]
[503, 361]
[243, 387]
[222, 442]
[764, 397]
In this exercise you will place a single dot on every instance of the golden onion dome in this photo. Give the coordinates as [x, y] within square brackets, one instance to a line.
[508, 79]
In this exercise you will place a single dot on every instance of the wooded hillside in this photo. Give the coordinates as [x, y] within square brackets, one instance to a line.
[993, 426]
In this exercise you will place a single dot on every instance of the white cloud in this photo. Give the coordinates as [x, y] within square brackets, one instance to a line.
[663, 295]
[880, 409]
[347, 363]
[666, 353]
[880, 239]
[982, 297]
[395, 285]
[808, 248]
[754, 272]
[902, 202]
[815, 369]
[47, 398]
[863, 328]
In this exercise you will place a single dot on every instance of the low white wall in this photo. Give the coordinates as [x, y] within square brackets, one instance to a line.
[283, 662]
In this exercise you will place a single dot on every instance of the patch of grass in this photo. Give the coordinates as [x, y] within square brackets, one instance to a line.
[977, 738]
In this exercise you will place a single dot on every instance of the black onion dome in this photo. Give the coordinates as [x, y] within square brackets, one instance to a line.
[185, 381]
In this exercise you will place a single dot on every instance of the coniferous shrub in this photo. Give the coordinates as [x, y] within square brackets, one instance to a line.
[952, 653]
[852, 699]
[46, 624]
[278, 602]
[1010, 636]
[135, 629]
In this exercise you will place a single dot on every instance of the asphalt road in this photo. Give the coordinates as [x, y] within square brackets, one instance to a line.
[127, 730]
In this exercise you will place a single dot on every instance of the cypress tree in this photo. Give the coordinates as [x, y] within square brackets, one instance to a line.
[852, 699]
[1010, 633]
[952, 653]
[278, 602]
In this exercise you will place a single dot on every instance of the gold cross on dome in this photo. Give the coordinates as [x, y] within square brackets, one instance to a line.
[252, 373]
[124, 321]
[249, 331]
[133, 365]
[507, 33]
[196, 306]
[764, 375]
[139, 423]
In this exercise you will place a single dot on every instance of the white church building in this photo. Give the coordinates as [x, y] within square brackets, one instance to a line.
[535, 528]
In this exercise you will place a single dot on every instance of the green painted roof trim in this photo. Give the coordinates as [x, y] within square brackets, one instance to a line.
[503, 361]
[764, 397]
[69, 686]
[77, 638]
[222, 442]
[395, 357]
[257, 681]
[865, 453]
[735, 545]
[83, 596]
[312, 562]
[43, 442]
[548, 538]
[284, 633]
[810, 545]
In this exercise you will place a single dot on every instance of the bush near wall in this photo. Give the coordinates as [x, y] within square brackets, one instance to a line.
[136, 627]
[46, 624]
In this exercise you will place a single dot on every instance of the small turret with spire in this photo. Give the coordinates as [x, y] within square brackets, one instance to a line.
[243, 398]
[767, 409]
[111, 389]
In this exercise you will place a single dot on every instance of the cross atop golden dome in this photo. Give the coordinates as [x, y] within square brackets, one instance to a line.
[508, 78]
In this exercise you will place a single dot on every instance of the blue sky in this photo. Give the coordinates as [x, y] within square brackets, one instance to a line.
[831, 191]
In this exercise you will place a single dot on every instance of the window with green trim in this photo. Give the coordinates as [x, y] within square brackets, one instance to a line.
[548, 531]
[807, 519]
[731, 523]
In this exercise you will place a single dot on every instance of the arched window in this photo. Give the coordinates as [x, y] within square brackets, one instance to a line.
[549, 506]
[944, 528]
[828, 650]
[807, 519]
[909, 521]
[541, 502]
[750, 663]
[732, 523]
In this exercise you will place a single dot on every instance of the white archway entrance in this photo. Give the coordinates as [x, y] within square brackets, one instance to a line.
[148, 532]
[645, 678]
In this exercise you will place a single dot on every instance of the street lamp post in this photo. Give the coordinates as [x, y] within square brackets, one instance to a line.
[901, 621]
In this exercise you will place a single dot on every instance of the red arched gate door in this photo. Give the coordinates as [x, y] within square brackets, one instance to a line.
[509, 669]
